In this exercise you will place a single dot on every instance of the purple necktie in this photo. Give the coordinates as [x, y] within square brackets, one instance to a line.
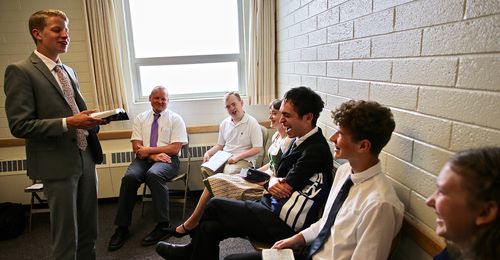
[69, 95]
[153, 139]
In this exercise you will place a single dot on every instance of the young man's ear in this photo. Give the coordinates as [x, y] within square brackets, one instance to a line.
[36, 33]
[308, 117]
[365, 145]
[488, 213]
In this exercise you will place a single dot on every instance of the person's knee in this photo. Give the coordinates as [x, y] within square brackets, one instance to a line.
[129, 179]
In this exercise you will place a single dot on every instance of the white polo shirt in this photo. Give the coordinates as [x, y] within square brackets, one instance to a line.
[237, 138]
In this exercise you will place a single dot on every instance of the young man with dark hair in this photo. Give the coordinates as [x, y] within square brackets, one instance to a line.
[304, 177]
[363, 213]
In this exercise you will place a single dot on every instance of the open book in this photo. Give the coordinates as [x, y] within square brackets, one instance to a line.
[217, 160]
[277, 254]
[111, 115]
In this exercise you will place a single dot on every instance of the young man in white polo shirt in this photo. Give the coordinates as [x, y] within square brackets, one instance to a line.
[239, 134]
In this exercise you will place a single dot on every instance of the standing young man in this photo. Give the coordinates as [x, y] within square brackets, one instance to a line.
[296, 195]
[157, 138]
[45, 107]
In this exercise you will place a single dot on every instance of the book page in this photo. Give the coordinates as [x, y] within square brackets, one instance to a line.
[277, 254]
[217, 160]
[107, 113]
[111, 115]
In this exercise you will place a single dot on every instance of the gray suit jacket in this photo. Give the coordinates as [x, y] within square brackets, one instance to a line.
[35, 106]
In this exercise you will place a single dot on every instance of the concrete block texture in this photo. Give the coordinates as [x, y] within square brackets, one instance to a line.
[317, 6]
[400, 146]
[328, 52]
[356, 49]
[480, 72]
[421, 211]
[429, 158]
[308, 54]
[328, 85]
[407, 174]
[330, 17]
[339, 69]
[354, 9]
[399, 44]
[317, 68]
[428, 129]
[427, 12]
[318, 37]
[384, 4]
[429, 71]
[470, 36]
[377, 70]
[477, 8]
[340, 32]
[373, 24]
[354, 89]
[475, 107]
[465, 136]
[395, 95]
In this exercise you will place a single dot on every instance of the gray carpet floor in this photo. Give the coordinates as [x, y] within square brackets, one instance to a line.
[36, 244]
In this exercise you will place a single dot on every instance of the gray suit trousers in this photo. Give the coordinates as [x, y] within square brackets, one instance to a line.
[155, 175]
[73, 212]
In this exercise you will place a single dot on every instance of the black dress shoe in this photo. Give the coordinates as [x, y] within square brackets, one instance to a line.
[118, 239]
[173, 252]
[174, 232]
[160, 232]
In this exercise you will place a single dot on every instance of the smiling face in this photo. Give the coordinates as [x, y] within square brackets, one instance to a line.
[159, 100]
[345, 147]
[53, 39]
[455, 217]
[274, 117]
[295, 126]
[234, 107]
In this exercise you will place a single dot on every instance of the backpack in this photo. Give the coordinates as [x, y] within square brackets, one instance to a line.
[12, 220]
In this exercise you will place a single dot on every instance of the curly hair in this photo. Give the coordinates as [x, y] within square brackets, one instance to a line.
[480, 170]
[305, 101]
[366, 120]
[38, 20]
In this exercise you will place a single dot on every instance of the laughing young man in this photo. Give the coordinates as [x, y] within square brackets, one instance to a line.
[370, 214]
[304, 177]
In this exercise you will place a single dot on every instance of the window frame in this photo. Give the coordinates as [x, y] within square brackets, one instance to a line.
[136, 63]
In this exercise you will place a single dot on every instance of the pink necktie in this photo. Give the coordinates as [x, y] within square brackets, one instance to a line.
[69, 95]
[153, 139]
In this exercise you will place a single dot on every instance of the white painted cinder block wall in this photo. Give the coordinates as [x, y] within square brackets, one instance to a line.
[435, 63]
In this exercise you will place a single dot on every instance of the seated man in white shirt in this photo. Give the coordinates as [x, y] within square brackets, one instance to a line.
[371, 215]
[239, 134]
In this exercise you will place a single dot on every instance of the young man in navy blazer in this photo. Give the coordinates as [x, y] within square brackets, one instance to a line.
[296, 194]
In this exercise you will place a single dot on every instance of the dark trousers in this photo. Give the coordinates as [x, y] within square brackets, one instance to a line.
[224, 218]
[155, 175]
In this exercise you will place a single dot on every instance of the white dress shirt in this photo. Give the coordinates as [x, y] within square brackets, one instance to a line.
[171, 128]
[367, 222]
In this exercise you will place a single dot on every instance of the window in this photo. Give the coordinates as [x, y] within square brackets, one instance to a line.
[193, 47]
